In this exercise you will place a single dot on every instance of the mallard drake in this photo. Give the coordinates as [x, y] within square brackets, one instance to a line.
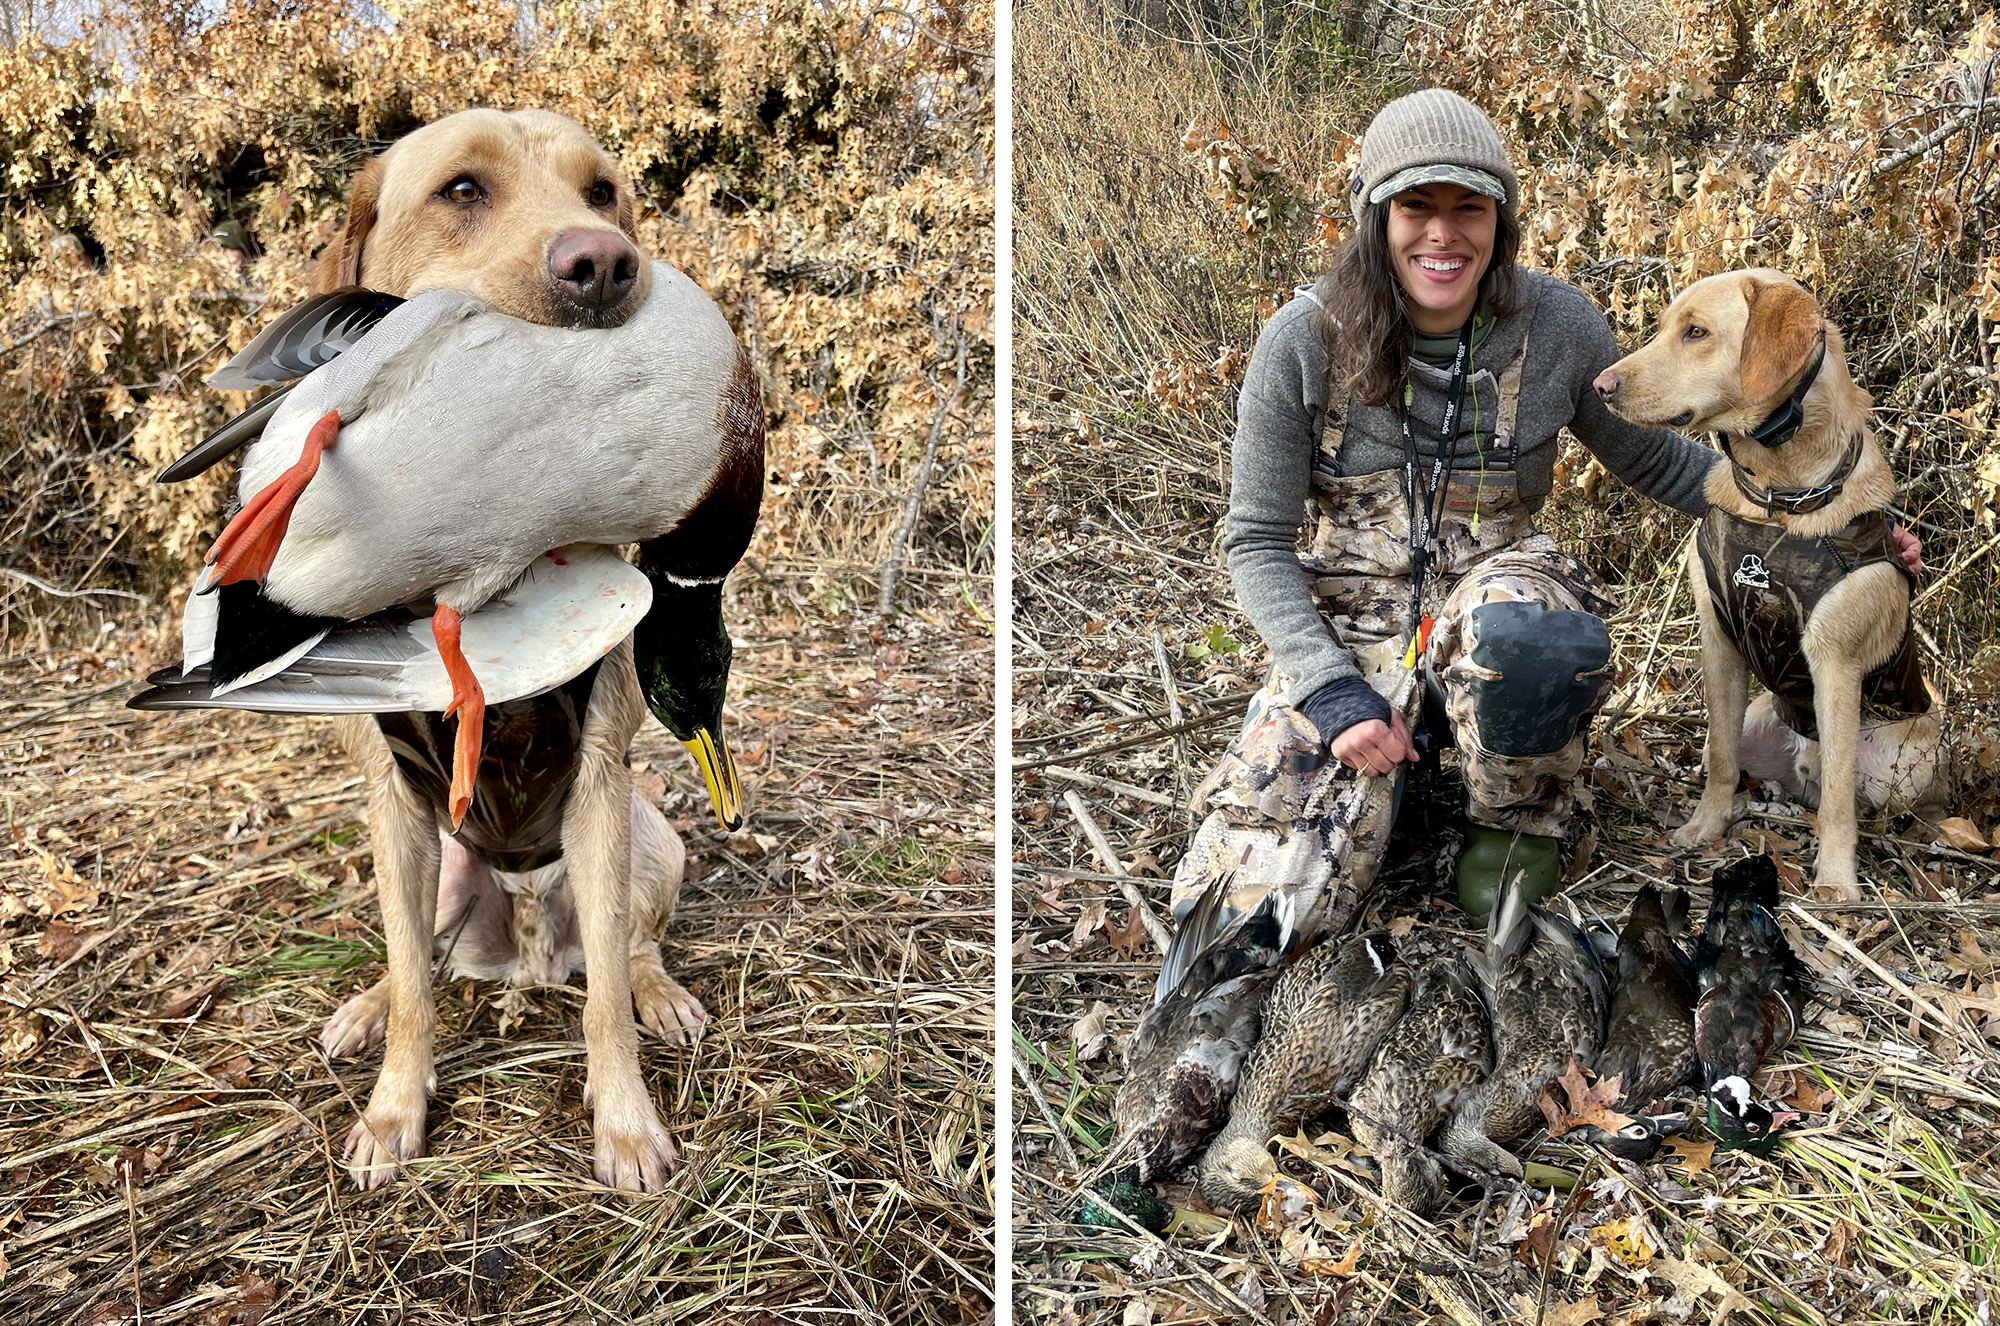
[1325, 1017]
[1547, 995]
[1649, 1045]
[1751, 985]
[1440, 1049]
[1183, 1061]
[460, 461]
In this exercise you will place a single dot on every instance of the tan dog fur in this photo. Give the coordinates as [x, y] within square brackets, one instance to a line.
[1728, 351]
[622, 863]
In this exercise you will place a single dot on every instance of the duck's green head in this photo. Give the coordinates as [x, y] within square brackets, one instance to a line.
[682, 651]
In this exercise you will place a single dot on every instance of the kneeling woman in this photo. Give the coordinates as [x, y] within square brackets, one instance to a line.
[1412, 401]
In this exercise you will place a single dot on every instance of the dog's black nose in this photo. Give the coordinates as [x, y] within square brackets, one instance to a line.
[593, 268]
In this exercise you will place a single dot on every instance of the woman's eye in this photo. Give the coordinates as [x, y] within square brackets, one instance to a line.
[601, 194]
[1694, 333]
[465, 189]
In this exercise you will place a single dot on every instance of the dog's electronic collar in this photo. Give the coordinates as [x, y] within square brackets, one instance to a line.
[1797, 501]
[1778, 427]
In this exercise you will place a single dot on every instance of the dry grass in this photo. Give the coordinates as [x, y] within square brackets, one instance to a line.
[1885, 1206]
[836, 1120]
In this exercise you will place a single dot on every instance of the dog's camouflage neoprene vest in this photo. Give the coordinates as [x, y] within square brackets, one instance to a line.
[1765, 584]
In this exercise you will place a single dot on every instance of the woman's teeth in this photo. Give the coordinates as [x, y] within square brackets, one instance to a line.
[1440, 264]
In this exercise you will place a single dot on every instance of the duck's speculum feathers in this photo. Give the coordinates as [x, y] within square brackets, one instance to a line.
[682, 651]
[233, 436]
[302, 339]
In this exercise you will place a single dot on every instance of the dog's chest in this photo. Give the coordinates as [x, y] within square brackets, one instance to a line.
[527, 764]
[1765, 584]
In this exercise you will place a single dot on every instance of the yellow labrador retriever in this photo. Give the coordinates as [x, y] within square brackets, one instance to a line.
[1796, 573]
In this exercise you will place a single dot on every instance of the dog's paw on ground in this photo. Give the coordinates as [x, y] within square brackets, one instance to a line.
[666, 1009]
[385, 1135]
[633, 1150]
[357, 1024]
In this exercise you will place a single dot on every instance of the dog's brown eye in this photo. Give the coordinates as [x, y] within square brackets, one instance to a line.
[464, 189]
[1694, 333]
[601, 194]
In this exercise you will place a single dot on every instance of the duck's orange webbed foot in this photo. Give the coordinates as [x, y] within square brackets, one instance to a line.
[468, 702]
[250, 543]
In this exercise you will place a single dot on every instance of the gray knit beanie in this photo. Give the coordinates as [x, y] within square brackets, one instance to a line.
[1431, 137]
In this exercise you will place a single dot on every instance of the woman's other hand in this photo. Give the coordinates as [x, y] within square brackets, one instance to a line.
[1908, 545]
[1374, 747]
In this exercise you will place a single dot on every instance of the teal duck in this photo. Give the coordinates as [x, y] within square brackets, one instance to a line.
[1548, 996]
[1184, 1060]
[1440, 1049]
[1326, 1015]
[1751, 989]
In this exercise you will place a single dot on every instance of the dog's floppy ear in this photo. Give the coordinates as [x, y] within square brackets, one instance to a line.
[1778, 340]
[340, 263]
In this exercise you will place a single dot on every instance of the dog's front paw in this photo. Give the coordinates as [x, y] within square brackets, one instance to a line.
[357, 1024]
[633, 1149]
[666, 1009]
[1707, 824]
[385, 1134]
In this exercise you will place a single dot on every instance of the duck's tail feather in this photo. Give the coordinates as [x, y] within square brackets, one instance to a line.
[1201, 929]
[237, 433]
[1508, 932]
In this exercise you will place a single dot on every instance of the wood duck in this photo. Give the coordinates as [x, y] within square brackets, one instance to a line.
[1548, 996]
[1741, 1123]
[1326, 1015]
[1751, 986]
[1439, 1050]
[1649, 1045]
[461, 460]
[1183, 1062]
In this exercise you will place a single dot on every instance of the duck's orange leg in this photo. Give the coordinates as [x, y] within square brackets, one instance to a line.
[468, 702]
[250, 543]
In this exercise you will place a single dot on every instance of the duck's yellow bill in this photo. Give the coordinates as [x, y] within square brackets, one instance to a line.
[725, 793]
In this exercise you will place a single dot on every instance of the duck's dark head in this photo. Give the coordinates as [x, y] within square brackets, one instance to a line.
[1741, 1123]
[1639, 1139]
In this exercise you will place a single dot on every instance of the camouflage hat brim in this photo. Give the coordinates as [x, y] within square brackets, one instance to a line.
[1466, 176]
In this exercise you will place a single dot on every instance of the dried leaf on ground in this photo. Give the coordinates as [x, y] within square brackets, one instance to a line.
[191, 1002]
[1696, 1279]
[1091, 1034]
[1962, 833]
[1558, 1313]
[1626, 1239]
[1586, 1104]
[256, 1297]
[1129, 937]
[1694, 1154]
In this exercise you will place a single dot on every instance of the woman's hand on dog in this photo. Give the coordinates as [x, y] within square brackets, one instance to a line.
[1912, 550]
[1374, 747]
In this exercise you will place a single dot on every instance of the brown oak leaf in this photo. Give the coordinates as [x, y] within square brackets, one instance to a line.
[1587, 1104]
[1129, 938]
[1694, 1155]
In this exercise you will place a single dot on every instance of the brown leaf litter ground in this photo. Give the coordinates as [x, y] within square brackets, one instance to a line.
[1882, 1205]
[185, 898]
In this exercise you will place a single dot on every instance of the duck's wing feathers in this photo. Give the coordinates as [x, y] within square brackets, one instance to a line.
[303, 339]
[315, 333]
[569, 610]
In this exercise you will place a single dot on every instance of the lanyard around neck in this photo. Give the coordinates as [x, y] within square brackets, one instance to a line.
[1426, 500]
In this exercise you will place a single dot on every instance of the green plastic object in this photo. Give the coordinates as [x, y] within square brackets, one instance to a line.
[1491, 857]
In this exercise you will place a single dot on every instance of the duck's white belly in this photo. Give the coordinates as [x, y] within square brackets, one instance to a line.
[472, 442]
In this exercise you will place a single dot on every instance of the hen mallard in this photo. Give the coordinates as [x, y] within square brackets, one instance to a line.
[1649, 1045]
[1547, 995]
[443, 447]
[1184, 1060]
[1751, 985]
[1440, 1049]
[1324, 1019]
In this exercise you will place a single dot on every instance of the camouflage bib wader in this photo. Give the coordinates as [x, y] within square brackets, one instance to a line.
[1765, 583]
[1282, 814]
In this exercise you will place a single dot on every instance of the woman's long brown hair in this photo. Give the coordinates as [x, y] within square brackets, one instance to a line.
[1362, 324]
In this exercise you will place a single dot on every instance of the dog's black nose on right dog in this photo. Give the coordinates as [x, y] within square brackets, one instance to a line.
[1606, 384]
[593, 269]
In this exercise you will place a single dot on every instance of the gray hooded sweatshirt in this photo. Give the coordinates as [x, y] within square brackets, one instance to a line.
[1282, 408]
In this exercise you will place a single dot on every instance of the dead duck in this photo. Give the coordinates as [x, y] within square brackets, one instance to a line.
[1547, 994]
[1326, 1015]
[1184, 1061]
[1751, 988]
[1439, 1049]
[1649, 1045]
[460, 462]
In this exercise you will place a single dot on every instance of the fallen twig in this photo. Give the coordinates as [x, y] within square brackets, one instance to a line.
[1108, 858]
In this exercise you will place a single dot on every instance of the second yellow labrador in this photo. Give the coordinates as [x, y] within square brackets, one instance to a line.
[1796, 575]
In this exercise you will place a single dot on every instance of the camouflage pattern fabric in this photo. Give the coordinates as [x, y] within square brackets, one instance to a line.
[1280, 812]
